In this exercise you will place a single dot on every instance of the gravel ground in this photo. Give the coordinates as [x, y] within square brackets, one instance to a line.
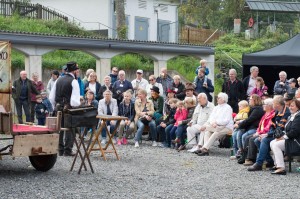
[146, 172]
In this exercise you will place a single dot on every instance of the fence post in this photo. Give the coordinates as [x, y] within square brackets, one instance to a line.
[188, 36]
[39, 11]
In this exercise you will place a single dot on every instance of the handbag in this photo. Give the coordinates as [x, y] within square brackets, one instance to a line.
[278, 133]
[292, 147]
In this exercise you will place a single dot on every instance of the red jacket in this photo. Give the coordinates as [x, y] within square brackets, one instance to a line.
[265, 122]
[180, 115]
[39, 87]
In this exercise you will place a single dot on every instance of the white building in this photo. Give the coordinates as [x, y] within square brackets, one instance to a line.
[151, 20]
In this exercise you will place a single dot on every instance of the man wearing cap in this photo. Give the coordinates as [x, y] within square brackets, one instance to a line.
[139, 82]
[120, 86]
[66, 93]
[234, 89]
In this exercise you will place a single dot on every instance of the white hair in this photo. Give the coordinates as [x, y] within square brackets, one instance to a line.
[121, 72]
[253, 68]
[283, 73]
[233, 70]
[268, 101]
[223, 96]
[202, 95]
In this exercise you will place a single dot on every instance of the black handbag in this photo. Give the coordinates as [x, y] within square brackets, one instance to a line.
[278, 133]
[292, 147]
[81, 117]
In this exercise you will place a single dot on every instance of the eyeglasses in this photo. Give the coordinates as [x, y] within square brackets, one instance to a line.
[151, 80]
[115, 71]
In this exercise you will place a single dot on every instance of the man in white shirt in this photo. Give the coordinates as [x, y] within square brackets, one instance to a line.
[249, 81]
[139, 82]
[200, 117]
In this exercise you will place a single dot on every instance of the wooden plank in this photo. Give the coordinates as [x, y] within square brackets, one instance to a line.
[23, 144]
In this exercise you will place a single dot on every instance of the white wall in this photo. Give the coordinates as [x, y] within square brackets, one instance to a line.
[102, 11]
[85, 11]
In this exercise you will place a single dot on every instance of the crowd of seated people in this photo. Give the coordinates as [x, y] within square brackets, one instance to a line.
[183, 116]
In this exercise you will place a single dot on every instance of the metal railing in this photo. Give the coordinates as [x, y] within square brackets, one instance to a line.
[8, 8]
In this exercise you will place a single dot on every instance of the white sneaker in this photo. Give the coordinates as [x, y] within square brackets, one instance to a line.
[154, 143]
[192, 150]
[103, 141]
[136, 144]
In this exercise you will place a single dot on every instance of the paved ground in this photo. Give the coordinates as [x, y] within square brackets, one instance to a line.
[146, 172]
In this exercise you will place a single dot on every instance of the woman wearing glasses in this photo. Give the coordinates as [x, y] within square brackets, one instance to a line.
[152, 82]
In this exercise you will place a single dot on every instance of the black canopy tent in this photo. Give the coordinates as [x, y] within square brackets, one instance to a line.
[284, 57]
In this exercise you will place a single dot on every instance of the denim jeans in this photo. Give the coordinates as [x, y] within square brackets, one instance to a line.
[181, 133]
[112, 127]
[245, 135]
[168, 135]
[161, 133]
[140, 130]
[41, 121]
[264, 150]
[26, 107]
[235, 143]
[171, 135]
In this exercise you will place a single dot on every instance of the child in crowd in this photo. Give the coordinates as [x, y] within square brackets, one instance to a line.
[260, 89]
[126, 109]
[244, 109]
[40, 110]
[181, 114]
[202, 65]
[47, 102]
[170, 95]
[167, 123]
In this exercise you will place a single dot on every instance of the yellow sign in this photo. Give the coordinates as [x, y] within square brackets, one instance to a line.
[141, 28]
[5, 68]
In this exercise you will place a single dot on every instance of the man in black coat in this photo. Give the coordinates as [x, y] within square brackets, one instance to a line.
[234, 89]
[249, 81]
[21, 93]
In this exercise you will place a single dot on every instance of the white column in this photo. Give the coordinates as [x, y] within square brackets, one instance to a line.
[103, 68]
[158, 65]
[33, 63]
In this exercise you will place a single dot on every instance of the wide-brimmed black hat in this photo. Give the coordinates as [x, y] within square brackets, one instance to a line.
[155, 89]
[71, 66]
[289, 96]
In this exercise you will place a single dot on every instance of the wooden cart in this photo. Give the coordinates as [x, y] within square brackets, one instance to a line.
[39, 143]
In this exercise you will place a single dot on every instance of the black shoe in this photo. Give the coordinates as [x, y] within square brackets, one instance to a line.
[273, 168]
[269, 165]
[69, 154]
[60, 153]
[283, 172]
[255, 167]
[203, 153]
[241, 160]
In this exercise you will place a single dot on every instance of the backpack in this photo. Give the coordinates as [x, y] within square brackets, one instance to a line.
[225, 142]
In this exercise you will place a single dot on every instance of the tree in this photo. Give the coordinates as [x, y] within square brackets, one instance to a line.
[121, 22]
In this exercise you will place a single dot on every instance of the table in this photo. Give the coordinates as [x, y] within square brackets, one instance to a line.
[85, 154]
[103, 150]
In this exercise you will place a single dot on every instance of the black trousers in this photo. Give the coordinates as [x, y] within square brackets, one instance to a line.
[252, 148]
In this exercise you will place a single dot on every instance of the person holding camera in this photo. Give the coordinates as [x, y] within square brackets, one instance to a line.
[234, 89]
[120, 86]
[201, 86]
[281, 86]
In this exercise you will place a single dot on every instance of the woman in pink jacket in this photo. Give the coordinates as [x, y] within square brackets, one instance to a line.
[180, 115]
[260, 88]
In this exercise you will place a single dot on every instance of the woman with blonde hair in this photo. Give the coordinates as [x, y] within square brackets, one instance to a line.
[93, 85]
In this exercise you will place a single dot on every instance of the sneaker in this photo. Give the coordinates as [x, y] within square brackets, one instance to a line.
[154, 143]
[119, 142]
[136, 145]
[192, 150]
[124, 141]
[114, 140]
[103, 141]
[233, 157]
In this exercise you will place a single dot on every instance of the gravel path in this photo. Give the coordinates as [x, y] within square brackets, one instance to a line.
[146, 172]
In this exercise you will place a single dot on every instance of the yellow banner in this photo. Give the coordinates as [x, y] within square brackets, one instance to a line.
[5, 68]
